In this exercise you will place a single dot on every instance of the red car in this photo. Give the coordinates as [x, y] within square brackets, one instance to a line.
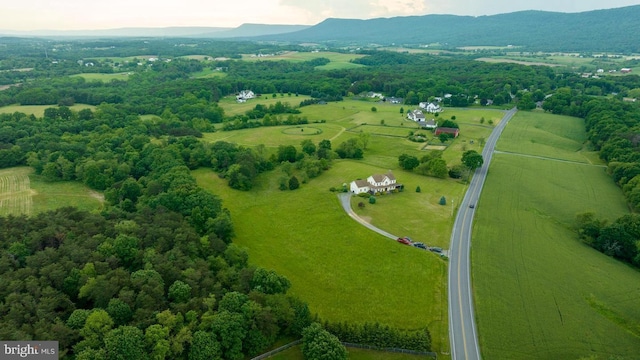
[405, 240]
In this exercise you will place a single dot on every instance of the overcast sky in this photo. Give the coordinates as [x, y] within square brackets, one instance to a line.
[107, 14]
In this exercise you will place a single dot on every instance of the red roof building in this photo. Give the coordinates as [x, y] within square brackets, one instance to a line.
[443, 130]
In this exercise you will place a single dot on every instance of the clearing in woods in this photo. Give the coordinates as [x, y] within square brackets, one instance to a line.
[15, 192]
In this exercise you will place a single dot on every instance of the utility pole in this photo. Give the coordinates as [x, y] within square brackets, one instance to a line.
[453, 200]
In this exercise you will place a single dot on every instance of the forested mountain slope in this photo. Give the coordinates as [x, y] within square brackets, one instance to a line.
[599, 30]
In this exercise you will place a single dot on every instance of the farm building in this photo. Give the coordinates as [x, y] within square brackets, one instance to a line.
[428, 124]
[375, 183]
[443, 130]
[415, 115]
[625, 70]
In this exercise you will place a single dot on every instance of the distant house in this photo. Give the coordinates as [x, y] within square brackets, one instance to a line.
[245, 95]
[430, 107]
[429, 124]
[394, 100]
[443, 130]
[625, 70]
[375, 183]
[415, 115]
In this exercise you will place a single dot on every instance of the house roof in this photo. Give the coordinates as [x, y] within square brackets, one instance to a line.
[361, 183]
[380, 177]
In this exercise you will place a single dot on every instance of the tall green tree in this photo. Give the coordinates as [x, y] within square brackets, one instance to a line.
[317, 343]
[472, 159]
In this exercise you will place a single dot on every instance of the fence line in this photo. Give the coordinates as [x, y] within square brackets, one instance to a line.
[396, 350]
[275, 351]
[360, 346]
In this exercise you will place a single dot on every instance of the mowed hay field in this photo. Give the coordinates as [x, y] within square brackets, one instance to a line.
[15, 192]
[38, 110]
[345, 271]
[22, 192]
[540, 293]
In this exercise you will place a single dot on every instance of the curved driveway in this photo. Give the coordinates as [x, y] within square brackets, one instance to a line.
[345, 200]
[462, 325]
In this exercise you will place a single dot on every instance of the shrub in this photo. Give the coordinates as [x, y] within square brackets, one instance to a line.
[372, 199]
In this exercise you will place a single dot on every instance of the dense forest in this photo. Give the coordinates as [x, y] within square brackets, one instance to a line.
[156, 273]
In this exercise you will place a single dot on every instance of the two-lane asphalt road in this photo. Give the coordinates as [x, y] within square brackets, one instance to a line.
[462, 324]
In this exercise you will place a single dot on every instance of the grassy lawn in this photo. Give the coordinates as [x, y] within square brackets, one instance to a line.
[22, 192]
[343, 270]
[38, 110]
[104, 77]
[541, 293]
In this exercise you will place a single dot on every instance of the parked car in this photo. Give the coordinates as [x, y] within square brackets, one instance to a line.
[404, 240]
[472, 206]
[420, 245]
[436, 249]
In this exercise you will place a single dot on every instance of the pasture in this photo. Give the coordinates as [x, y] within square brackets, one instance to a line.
[337, 60]
[38, 110]
[331, 260]
[208, 73]
[22, 192]
[232, 107]
[539, 291]
[547, 135]
[103, 77]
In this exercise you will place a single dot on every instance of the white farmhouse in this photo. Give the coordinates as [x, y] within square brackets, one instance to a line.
[375, 183]
[415, 115]
[244, 95]
[430, 107]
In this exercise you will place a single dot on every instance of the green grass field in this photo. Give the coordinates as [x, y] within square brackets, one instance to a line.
[104, 77]
[22, 192]
[552, 136]
[343, 270]
[208, 73]
[38, 110]
[337, 60]
[232, 107]
[541, 293]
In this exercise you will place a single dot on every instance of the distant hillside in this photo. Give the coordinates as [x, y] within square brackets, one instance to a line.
[599, 30]
[250, 30]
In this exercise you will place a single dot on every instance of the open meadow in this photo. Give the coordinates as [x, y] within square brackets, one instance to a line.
[337, 60]
[104, 77]
[38, 110]
[22, 192]
[540, 293]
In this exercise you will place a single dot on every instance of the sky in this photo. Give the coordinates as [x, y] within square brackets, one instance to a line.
[110, 14]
